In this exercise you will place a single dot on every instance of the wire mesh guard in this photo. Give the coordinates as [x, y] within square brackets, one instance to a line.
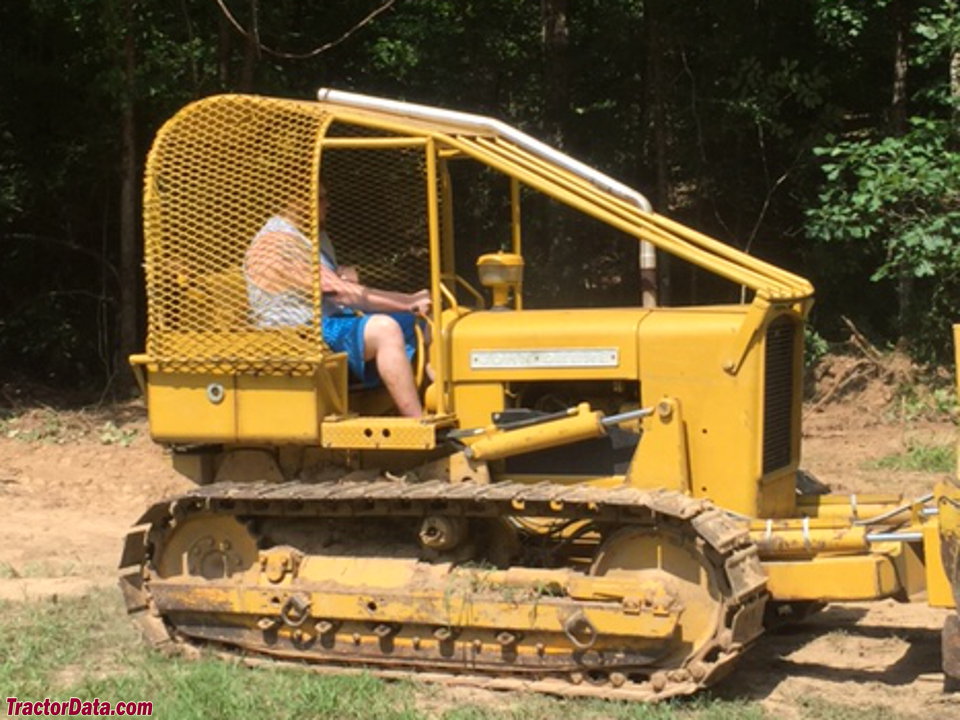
[232, 230]
[377, 216]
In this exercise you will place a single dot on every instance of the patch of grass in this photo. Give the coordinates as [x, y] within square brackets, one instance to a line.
[87, 647]
[110, 434]
[38, 569]
[42, 637]
[47, 569]
[702, 707]
[49, 426]
[812, 708]
[919, 457]
[931, 400]
[45, 426]
[212, 688]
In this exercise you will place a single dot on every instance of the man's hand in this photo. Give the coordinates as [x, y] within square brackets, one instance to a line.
[348, 273]
[420, 302]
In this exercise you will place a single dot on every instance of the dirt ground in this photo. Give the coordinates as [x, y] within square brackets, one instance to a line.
[72, 482]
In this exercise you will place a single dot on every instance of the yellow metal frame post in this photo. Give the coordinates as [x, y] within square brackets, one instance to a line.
[515, 234]
[314, 229]
[449, 267]
[433, 230]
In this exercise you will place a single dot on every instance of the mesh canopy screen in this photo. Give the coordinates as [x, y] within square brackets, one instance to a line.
[218, 171]
[377, 216]
[232, 230]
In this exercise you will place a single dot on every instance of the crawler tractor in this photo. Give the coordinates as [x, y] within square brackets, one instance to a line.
[598, 501]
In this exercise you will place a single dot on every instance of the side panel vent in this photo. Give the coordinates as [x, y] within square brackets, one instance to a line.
[778, 393]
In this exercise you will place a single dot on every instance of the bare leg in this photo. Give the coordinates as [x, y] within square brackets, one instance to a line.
[383, 343]
[427, 339]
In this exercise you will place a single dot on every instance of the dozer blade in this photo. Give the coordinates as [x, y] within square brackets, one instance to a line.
[948, 504]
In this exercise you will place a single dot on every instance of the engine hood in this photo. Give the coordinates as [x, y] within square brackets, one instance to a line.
[500, 346]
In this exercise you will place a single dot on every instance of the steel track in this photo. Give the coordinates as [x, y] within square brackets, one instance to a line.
[734, 560]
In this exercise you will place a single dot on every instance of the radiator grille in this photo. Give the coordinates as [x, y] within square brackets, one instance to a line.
[778, 391]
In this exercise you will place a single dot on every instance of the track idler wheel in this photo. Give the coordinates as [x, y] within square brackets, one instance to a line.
[208, 546]
[690, 575]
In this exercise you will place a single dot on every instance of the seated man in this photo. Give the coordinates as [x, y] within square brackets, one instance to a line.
[381, 342]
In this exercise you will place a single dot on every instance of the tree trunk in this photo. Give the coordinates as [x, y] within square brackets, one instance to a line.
[556, 47]
[224, 33]
[566, 266]
[251, 52]
[194, 73]
[656, 98]
[898, 121]
[129, 247]
[955, 85]
[655, 280]
[898, 105]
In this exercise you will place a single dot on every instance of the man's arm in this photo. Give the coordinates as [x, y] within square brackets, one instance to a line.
[348, 272]
[279, 261]
[369, 299]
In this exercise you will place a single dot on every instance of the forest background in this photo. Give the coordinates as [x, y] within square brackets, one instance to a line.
[821, 135]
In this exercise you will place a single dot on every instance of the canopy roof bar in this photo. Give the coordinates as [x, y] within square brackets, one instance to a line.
[480, 124]
[524, 158]
[669, 230]
[711, 254]
[566, 194]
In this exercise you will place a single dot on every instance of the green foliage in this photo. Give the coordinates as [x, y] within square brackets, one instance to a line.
[921, 458]
[215, 689]
[45, 426]
[44, 637]
[841, 22]
[710, 109]
[48, 426]
[87, 647]
[110, 434]
[814, 346]
[763, 94]
[893, 204]
[938, 31]
[931, 400]
[901, 195]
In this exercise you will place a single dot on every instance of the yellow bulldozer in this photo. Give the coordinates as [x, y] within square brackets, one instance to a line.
[595, 501]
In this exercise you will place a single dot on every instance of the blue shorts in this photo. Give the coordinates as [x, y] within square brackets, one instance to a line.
[343, 332]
